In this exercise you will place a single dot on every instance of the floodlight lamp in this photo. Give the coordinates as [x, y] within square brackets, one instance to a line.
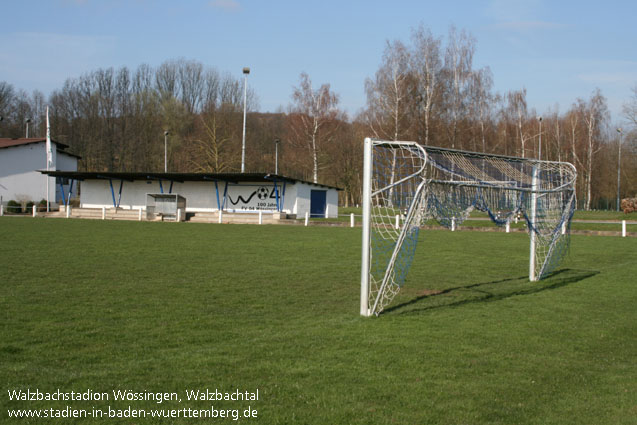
[246, 70]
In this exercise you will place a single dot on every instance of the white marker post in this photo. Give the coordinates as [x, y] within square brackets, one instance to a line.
[351, 220]
[623, 228]
[307, 218]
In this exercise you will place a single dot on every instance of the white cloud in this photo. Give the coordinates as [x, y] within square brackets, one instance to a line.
[513, 10]
[608, 77]
[227, 5]
[527, 25]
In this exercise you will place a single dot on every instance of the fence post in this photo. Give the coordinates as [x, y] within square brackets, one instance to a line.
[307, 218]
[140, 214]
[220, 216]
[68, 211]
[103, 213]
[351, 220]
[397, 221]
[623, 228]
[508, 227]
[35, 211]
[564, 227]
[1, 210]
[260, 217]
[453, 224]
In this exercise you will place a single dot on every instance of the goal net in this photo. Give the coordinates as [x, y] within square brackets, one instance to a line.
[405, 184]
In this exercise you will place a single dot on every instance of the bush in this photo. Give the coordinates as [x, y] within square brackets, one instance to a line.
[14, 207]
[29, 207]
[42, 205]
[629, 205]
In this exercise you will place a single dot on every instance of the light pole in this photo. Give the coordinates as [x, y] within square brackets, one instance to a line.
[166, 133]
[276, 156]
[27, 123]
[246, 71]
[540, 149]
[619, 164]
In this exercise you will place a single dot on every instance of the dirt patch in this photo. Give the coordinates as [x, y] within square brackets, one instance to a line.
[429, 292]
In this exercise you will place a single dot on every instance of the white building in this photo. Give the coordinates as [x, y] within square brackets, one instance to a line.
[19, 161]
[207, 192]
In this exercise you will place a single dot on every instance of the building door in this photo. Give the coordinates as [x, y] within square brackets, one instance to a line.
[318, 203]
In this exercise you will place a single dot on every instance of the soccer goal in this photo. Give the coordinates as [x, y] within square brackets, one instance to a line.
[405, 184]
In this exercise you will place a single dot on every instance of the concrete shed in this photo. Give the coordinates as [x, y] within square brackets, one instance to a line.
[207, 192]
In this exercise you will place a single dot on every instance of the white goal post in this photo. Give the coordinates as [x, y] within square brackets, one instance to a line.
[405, 184]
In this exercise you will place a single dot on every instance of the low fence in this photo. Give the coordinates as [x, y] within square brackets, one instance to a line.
[350, 220]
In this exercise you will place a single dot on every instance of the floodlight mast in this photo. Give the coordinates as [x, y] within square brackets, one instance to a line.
[246, 71]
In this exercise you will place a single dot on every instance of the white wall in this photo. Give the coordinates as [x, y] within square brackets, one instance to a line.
[18, 178]
[202, 196]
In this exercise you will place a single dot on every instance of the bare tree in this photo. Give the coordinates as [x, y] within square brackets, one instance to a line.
[314, 115]
[481, 102]
[425, 66]
[517, 105]
[387, 94]
[458, 71]
[595, 118]
[629, 109]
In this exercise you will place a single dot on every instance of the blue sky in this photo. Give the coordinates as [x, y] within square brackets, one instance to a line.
[558, 50]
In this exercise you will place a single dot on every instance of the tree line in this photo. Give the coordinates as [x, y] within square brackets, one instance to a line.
[425, 89]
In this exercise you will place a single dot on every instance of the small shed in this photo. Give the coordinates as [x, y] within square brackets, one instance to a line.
[165, 206]
[207, 192]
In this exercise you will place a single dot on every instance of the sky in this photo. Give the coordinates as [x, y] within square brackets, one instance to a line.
[559, 50]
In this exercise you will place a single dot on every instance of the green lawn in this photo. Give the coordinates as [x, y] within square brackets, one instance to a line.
[167, 307]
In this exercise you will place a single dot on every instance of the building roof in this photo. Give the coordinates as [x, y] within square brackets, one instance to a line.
[6, 142]
[180, 177]
[60, 147]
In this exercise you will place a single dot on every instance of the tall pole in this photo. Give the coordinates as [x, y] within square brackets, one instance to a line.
[49, 156]
[27, 122]
[619, 164]
[539, 155]
[276, 156]
[166, 133]
[246, 71]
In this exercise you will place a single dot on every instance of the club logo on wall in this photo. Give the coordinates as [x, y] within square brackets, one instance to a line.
[263, 193]
[263, 198]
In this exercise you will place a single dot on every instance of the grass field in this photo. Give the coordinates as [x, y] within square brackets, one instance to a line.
[165, 307]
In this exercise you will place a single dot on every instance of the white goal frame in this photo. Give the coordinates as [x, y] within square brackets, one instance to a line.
[412, 181]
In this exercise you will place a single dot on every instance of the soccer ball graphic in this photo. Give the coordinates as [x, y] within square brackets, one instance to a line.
[263, 193]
